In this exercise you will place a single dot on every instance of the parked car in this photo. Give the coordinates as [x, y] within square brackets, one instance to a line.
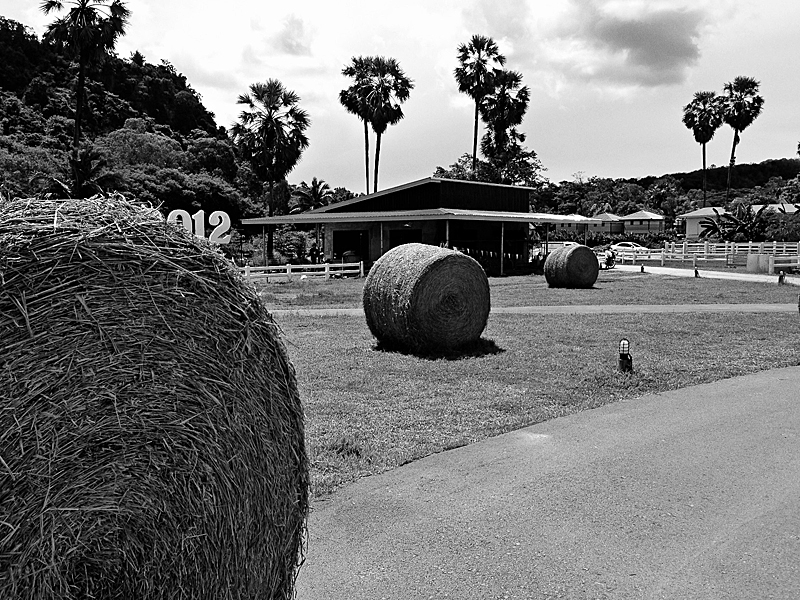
[629, 248]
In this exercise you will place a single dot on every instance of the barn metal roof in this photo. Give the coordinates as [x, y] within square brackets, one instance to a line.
[419, 215]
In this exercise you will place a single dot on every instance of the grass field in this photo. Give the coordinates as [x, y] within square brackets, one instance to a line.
[612, 287]
[368, 410]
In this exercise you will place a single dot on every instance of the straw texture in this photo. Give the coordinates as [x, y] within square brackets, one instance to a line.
[425, 299]
[151, 433]
[571, 267]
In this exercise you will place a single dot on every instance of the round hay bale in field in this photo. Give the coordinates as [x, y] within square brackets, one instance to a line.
[426, 299]
[151, 432]
[571, 267]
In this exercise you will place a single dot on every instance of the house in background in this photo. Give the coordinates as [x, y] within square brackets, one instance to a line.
[695, 217]
[642, 221]
[609, 223]
[486, 221]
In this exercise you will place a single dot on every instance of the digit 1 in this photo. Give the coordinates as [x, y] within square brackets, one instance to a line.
[199, 219]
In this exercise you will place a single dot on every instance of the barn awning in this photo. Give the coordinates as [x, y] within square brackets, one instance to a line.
[440, 214]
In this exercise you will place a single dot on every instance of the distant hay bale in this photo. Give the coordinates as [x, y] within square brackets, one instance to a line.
[571, 267]
[151, 432]
[426, 299]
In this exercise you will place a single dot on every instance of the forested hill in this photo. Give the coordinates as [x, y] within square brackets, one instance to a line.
[747, 176]
[36, 85]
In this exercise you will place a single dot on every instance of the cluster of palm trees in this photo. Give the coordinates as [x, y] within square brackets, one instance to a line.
[379, 88]
[738, 106]
[500, 98]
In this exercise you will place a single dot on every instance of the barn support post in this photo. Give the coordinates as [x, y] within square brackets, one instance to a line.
[264, 244]
[502, 244]
[447, 233]
[380, 224]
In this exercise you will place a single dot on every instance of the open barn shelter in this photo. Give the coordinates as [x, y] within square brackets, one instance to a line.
[487, 221]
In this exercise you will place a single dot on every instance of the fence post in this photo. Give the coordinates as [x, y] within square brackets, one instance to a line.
[694, 261]
[288, 272]
[327, 271]
[361, 269]
[663, 254]
[771, 264]
[247, 272]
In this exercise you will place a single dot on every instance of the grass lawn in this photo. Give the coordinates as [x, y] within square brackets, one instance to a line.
[612, 287]
[368, 410]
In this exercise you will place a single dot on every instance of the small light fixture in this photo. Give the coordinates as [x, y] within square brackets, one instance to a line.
[642, 269]
[625, 359]
[781, 278]
[696, 273]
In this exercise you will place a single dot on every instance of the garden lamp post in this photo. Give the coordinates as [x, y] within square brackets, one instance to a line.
[625, 359]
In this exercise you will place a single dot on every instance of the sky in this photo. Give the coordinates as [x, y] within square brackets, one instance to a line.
[608, 79]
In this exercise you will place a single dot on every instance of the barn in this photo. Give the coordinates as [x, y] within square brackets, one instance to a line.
[485, 220]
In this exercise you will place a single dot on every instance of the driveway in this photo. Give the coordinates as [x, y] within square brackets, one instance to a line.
[691, 494]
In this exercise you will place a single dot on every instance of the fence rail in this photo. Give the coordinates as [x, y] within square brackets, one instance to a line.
[291, 272]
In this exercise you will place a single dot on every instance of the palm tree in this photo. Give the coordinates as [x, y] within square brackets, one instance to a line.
[741, 106]
[503, 108]
[387, 87]
[271, 136]
[477, 63]
[307, 197]
[88, 31]
[354, 99]
[703, 115]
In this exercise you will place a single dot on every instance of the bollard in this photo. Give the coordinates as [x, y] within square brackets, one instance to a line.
[781, 278]
[625, 362]
[696, 273]
[641, 269]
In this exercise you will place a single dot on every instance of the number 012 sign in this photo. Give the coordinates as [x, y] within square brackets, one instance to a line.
[196, 224]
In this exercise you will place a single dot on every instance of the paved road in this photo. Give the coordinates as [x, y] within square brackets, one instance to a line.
[691, 494]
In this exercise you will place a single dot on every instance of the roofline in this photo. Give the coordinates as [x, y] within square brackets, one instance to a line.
[405, 186]
[434, 214]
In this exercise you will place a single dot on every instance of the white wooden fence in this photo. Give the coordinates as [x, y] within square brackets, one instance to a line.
[782, 255]
[292, 272]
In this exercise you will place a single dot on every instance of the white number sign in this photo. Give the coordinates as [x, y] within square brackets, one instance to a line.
[196, 224]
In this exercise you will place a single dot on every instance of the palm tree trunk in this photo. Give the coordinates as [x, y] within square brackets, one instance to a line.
[366, 152]
[270, 209]
[704, 175]
[377, 157]
[76, 140]
[733, 161]
[475, 140]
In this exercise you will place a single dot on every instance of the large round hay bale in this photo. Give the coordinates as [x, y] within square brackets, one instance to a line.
[426, 299]
[571, 267]
[151, 432]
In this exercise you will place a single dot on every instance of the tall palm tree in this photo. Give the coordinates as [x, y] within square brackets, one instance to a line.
[387, 88]
[703, 115]
[504, 106]
[741, 107]
[354, 98]
[477, 63]
[88, 31]
[271, 136]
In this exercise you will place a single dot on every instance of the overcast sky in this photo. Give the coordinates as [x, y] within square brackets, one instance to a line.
[608, 79]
